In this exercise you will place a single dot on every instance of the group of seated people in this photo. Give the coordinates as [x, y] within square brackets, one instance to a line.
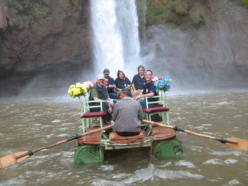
[108, 89]
[124, 100]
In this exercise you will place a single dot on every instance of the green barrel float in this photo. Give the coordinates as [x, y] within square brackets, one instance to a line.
[170, 148]
[88, 154]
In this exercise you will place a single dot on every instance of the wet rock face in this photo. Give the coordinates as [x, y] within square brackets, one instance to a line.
[204, 39]
[3, 16]
[38, 35]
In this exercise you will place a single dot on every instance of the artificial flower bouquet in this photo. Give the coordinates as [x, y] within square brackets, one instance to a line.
[162, 83]
[80, 89]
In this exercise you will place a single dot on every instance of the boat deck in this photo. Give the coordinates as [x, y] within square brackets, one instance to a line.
[111, 140]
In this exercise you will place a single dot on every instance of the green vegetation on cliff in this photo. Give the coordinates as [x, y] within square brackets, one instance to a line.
[174, 11]
[181, 12]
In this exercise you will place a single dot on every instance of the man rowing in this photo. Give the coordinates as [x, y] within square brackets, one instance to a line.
[127, 115]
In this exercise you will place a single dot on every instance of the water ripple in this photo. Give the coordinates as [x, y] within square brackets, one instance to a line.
[150, 173]
[185, 164]
[213, 162]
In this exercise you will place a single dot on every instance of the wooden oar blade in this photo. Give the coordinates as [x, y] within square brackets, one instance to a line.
[9, 160]
[242, 144]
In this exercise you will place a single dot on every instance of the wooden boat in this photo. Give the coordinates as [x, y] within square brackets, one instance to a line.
[161, 141]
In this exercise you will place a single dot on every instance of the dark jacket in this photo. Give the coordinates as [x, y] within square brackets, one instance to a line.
[127, 115]
[139, 82]
[122, 83]
[99, 92]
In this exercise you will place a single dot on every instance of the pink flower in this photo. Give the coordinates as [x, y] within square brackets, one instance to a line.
[154, 79]
[88, 84]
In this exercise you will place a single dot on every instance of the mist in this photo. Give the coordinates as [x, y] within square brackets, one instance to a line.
[45, 83]
[206, 57]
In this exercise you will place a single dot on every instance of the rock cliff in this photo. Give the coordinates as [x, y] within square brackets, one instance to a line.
[198, 39]
[38, 35]
[3, 16]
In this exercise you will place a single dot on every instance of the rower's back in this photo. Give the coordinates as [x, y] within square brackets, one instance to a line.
[127, 115]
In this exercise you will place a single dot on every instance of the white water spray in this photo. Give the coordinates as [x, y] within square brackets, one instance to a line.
[115, 35]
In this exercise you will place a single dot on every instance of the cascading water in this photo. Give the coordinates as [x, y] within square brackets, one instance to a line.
[128, 23]
[115, 34]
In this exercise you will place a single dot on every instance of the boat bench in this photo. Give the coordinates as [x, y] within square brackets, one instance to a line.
[115, 138]
[158, 107]
[88, 115]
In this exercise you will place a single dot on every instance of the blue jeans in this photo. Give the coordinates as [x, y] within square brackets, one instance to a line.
[113, 95]
[143, 103]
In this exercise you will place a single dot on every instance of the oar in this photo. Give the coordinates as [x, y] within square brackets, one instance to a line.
[18, 157]
[237, 143]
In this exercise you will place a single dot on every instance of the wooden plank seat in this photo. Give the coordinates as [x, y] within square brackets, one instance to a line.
[156, 109]
[161, 133]
[94, 114]
[115, 138]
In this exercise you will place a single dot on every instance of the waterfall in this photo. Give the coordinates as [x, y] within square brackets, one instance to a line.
[115, 35]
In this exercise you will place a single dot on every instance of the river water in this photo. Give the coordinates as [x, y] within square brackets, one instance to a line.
[30, 123]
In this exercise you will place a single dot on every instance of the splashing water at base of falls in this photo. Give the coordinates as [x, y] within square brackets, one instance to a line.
[115, 35]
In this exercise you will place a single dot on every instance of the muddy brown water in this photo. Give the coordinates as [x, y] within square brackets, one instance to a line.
[30, 123]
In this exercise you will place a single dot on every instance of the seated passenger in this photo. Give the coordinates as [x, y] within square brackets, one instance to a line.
[114, 94]
[100, 92]
[127, 115]
[122, 81]
[106, 83]
[148, 91]
[139, 80]
[111, 84]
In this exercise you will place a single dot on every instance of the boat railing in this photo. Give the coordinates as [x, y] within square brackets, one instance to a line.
[92, 112]
[157, 105]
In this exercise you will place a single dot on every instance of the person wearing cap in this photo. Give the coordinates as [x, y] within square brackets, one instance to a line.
[100, 93]
[139, 80]
[127, 115]
[110, 85]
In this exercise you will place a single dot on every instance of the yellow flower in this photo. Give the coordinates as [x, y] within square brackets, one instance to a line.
[77, 90]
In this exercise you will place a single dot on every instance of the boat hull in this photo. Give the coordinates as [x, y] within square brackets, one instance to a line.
[89, 154]
[167, 149]
[162, 149]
